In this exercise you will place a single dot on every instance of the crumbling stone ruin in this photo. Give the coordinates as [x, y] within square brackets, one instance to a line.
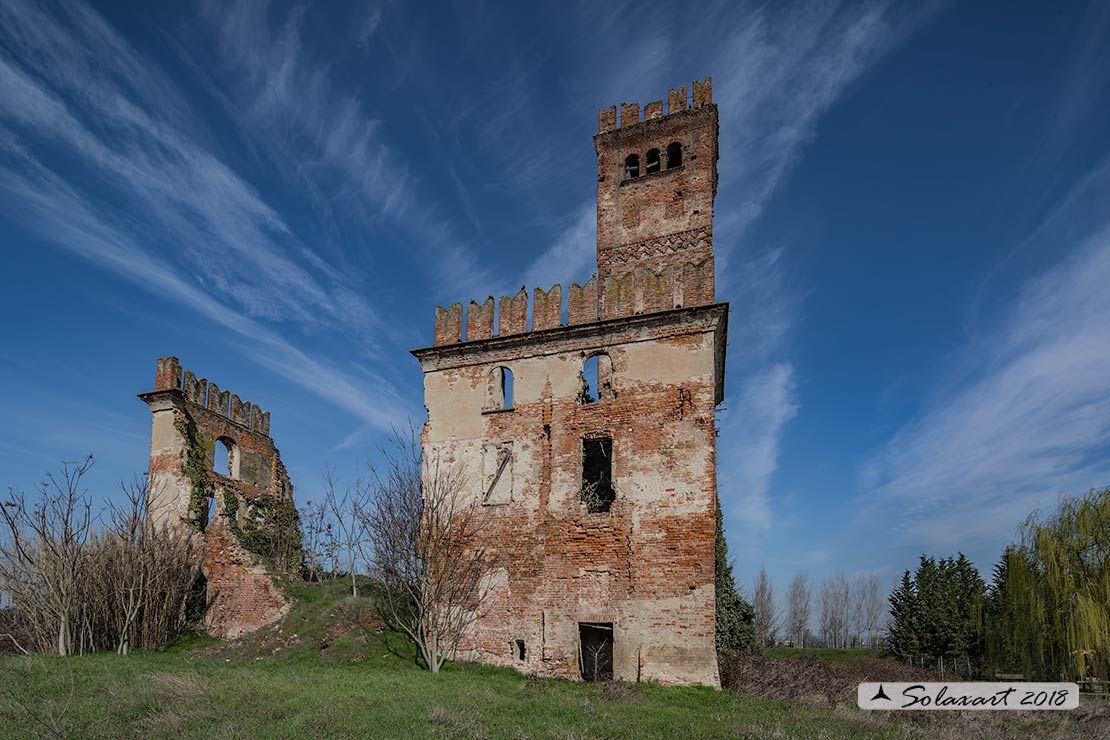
[194, 421]
[590, 434]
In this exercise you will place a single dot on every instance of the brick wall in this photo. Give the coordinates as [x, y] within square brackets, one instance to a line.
[646, 565]
[241, 593]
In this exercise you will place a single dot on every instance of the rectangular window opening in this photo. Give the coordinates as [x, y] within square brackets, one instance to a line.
[595, 655]
[597, 474]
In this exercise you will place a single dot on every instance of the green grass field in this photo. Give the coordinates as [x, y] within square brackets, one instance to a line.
[305, 679]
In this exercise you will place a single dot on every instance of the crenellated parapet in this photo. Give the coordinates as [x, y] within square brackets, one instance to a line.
[639, 290]
[676, 102]
[207, 395]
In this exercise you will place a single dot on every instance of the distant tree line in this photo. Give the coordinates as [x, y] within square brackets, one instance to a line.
[848, 610]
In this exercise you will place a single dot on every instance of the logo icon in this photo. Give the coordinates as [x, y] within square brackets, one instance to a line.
[880, 695]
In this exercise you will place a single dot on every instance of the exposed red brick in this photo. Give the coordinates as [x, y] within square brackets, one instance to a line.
[646, 565]
[241, 593]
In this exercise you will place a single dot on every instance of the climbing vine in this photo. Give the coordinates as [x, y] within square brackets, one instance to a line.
[195, 468]
[270, 529]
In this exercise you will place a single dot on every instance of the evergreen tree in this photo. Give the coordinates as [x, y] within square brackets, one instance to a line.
[937, 612]
[970, 595]
[735, 616]
[903, 606]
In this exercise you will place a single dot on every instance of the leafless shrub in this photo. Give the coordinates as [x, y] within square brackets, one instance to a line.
[619, 692]
[810, 680]
[41, 552]
[425, 528]
[72, 589]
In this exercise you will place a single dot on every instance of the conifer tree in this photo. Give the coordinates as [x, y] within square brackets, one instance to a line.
[903, 608]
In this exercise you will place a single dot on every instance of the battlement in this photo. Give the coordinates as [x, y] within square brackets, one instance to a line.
[638, 291]
[676, 102]
[207, 395]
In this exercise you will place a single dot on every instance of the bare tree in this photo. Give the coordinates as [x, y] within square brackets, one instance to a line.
[350, 525]
[870, 597]
[319, 538]
[836, 603]
[766, 612]
[799, 608]
[827, 613]
[425, 528]
[856, 611]
[40, 555]
[72, 589]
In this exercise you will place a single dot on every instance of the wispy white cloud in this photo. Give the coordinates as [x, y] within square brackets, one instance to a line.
[779, 68]
[219, 224]
[749, 448]
[368, 24]
[572, 257]
[329, 135]
[1028, 415]
[289, 95]
[155, 203]
[63, 216]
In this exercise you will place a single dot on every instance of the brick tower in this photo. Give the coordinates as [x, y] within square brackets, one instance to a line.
[592, 442]
[193, 422]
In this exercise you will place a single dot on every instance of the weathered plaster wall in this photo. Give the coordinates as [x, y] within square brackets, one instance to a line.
[241, 593]
[647, 564]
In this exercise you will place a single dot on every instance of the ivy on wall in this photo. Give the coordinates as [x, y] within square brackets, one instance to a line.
[195, 467]
[271, 529]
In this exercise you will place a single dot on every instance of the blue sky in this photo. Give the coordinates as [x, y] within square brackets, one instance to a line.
[913, 229]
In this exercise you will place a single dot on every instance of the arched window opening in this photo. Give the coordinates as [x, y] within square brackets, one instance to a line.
[597, 378]
[224, 462]
[500, 392]
[652, 161]
[674, 155]
[632, 166]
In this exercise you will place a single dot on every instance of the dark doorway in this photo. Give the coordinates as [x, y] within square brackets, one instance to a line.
[595, 641]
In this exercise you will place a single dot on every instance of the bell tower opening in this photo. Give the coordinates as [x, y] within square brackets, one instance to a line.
[656, 182]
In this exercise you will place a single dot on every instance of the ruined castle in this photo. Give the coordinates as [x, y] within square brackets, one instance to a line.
[589, 435]
[211, 499]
